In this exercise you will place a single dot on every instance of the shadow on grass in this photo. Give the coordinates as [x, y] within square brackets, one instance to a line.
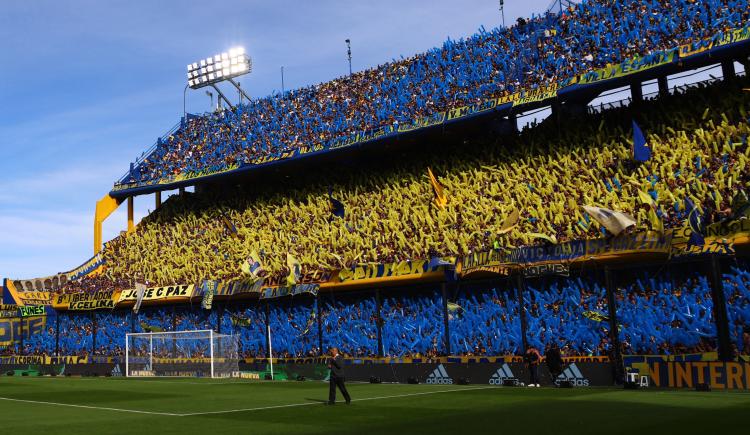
[496, 413]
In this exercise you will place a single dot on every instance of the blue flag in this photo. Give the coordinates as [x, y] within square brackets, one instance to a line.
[695, 222]
[641, 151]
[337, 207]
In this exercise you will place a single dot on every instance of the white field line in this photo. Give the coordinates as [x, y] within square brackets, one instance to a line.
[169, 414]
[318, 403]
[134, 411]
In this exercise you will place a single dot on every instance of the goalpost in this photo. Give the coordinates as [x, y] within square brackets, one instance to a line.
[181, 353]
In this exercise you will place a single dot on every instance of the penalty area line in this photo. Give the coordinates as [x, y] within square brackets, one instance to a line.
[103, 408]
[293, 405]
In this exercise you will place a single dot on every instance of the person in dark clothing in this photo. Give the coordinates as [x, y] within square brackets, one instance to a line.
[554, 361]
[533, 358]
[336, 379]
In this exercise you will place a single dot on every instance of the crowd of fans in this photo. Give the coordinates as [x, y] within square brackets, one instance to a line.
[352, 323]
[737, 293]
[700, 152]
[667, 315]
[540, 51]
[485, 322]
[570, 313]
[663, 312]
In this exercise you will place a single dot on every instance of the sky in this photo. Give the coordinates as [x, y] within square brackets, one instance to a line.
[88, 85]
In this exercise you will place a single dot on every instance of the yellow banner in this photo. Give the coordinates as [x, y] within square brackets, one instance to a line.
[461, 112]
[374, 271]
[720, 238]
[731, 37]
[45, 360]
[536, 95]
[627, 67]
[172, 292]
[86, 301]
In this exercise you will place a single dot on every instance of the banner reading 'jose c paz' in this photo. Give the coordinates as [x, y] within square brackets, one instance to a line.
[167, 293]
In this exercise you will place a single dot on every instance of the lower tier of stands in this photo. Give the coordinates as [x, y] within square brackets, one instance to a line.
[666, 310]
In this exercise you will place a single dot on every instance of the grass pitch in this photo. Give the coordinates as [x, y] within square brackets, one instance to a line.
[208, 407]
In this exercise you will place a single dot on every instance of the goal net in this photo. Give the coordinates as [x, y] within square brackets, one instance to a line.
[181, 353]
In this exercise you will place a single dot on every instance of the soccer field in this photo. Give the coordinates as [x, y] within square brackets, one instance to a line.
[205, 406]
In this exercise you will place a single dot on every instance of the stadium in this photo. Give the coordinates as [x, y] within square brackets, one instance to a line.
[546, 217]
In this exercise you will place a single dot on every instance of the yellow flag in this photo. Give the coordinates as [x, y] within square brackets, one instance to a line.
[441, 200]
[656, 223]
[551, 239]
[510, 222]
[295, 270]
[646, 198]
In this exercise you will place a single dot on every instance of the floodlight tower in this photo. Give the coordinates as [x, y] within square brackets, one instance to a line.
[502, 10]
[221, 67]
[349, 53]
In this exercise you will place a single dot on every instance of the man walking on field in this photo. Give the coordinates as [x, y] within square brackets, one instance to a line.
[336, 379]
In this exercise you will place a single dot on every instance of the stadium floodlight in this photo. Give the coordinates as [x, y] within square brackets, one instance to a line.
[233, 63]
[219, 68]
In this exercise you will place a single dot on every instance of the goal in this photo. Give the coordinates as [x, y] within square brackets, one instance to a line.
[181, 353]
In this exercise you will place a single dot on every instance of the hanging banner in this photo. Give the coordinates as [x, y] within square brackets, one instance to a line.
[731, 37]
[166, 293]
[7, 311]
[47, 360]
[720, 238]
[462, 112]
[537, 95]
[430, 121]
[86, 301]
[630, 66]
[552, 269]
[279, 292]
[32, 310]
[209, 290]
[416, 268]
[11, 330]
[488, 262]
[34, 298]
[640, 243]
[242, 322]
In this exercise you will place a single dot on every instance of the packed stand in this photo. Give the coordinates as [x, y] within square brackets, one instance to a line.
[413, 325]
[666, 314]
[351, 323]
[658, 312]
[570, 313]
[540, 51]
[485, 322]
[737, 292]
[700, 151]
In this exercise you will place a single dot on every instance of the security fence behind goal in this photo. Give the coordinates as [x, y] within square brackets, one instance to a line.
[181, 353]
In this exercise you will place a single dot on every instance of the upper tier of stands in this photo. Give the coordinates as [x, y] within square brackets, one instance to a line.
[541, 51]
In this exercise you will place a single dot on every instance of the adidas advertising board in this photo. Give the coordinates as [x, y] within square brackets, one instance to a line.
[502, 374]
[116, 371]
[574, 376]
[439, 376]
[487, 373]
